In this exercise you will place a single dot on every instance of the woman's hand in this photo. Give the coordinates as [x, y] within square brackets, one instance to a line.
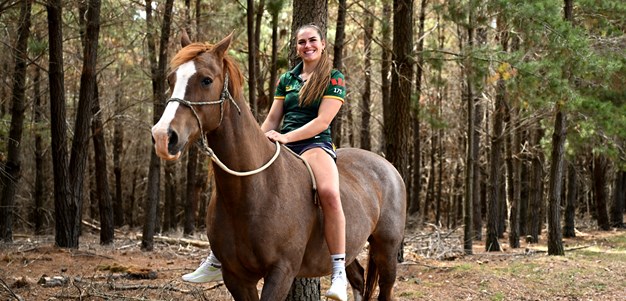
[276, 136]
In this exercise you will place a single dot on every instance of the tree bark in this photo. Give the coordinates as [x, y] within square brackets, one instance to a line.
[366, 94]
[252, 57]
[118, 150]
[600, 166]
[191, 202]
[416, 177]
[40, 174]
[66, 208]
[90, 28]
[555, 237]
[11, 172]
[495, 197]
[536, 191]
[470, 159]
[477, 200]
[158, 97]
[619, 200]
[396, 113]
[569, 228]
[336, 129]
[385, 60]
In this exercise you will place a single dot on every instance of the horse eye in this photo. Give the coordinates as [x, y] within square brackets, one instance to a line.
[206, 82]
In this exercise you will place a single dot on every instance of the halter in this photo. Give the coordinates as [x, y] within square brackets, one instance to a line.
[204, 146]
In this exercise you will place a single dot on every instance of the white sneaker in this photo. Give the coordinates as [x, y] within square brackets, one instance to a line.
[206, 272]
[339, 288]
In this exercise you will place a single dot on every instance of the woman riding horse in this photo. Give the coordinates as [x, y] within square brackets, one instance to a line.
[263, 222]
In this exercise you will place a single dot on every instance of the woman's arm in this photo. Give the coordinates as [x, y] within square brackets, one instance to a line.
[274, 117]
[327, 111]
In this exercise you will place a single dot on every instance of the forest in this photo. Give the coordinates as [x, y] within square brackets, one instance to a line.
[504, 117]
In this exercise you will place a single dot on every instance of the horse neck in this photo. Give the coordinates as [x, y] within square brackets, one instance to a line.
[239, 142]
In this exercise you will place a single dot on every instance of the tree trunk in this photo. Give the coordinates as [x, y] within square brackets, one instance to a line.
[306, 12]
[569, 229]
[274, 7]
[90, 28]
[385, 60]
[555, 237]
[495, 198]
[191, 202]
[252, 57]
[513, 179]
[40, 174]
[416, 177]
[477, 200]
[11, 174]
[619, 200]
[158, 97]
[304, 289]
[336, 125]
[524, 194]
[600, 166]
[118, 150]
[66, 209]
[396, 113]
[366, 94]
[169, 208]
[470, 159]
[536, 190]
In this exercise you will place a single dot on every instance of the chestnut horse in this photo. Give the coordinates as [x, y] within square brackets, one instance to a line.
[264, 222]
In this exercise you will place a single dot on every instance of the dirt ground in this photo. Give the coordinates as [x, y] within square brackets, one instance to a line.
[594, 268]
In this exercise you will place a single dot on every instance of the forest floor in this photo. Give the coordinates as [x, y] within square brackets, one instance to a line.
[593, 268]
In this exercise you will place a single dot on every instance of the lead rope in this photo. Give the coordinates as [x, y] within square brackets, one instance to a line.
[209, 152]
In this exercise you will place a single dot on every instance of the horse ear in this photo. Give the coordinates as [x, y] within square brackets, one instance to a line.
[184, 38]
[222, 46]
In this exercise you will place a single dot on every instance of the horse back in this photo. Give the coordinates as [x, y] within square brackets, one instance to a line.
[373, 198]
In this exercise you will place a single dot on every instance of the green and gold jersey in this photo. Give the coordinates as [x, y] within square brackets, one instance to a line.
[295, 116]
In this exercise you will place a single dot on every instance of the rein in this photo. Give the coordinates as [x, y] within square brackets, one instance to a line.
[204, 146]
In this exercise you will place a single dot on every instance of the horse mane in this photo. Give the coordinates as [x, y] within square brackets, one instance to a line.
[194, 50]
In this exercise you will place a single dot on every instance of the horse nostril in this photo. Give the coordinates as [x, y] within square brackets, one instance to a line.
[173, 141]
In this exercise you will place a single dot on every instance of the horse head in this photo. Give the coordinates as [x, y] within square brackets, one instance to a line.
[205, 83]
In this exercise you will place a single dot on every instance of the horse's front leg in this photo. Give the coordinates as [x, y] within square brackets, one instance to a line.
[240, 289]
[277, 284]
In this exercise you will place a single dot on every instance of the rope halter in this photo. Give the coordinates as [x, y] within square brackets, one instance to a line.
[204, 146]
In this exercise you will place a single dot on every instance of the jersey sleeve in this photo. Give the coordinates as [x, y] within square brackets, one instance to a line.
[337, 86]
[280, 92]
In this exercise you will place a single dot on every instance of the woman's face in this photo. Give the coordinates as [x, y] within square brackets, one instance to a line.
[309, 45]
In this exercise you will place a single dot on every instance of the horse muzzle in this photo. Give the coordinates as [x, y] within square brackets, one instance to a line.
[167, 143]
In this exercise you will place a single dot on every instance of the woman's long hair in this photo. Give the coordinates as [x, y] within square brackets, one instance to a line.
[318, 81]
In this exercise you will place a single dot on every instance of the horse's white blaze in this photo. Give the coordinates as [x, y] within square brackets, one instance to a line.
[183, 74]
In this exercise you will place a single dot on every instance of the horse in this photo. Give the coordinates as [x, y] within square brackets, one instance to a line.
[264, 222]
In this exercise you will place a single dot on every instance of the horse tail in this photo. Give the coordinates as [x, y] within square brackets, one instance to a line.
[371, 279]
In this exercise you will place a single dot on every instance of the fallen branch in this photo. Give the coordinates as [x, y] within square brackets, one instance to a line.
[14, 295]
[179, 241]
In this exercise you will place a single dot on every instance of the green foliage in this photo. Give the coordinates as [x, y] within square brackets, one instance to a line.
[579, 65]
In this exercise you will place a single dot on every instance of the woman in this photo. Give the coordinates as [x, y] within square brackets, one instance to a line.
[307, 99]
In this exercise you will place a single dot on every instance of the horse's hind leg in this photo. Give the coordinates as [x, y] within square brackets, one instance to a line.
[356, 273]
[241, 290]
[385, 258]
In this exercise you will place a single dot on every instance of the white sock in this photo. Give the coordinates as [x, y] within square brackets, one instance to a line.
[339, 265]
[214, 261]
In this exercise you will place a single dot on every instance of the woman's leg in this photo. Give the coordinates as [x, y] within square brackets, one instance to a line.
[327, 179]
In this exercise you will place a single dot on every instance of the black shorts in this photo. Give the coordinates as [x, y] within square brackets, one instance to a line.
[300, 148]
